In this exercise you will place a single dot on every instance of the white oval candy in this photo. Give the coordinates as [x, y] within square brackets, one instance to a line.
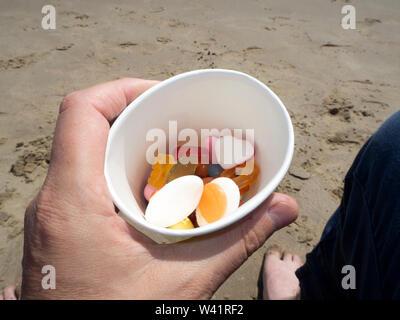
[231, 151]
[175, 201]
[231, 191]
[232, 194]
[199, 219]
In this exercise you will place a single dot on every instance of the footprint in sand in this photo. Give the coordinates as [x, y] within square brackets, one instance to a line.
[174, 23]
[302, 232]
[21, 61]
[369, 21]
[35, 154]
[338, 107]
[3, 141]
[4, 196]
[127, 44]
[157, 10]
[252, 49]
[163, 40]
[64, 47]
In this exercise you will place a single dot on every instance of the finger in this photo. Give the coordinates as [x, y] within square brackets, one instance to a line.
[223, 252]
[9, 293]
[83, 125]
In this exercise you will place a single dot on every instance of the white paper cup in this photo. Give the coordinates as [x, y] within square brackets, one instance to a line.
[201, 99]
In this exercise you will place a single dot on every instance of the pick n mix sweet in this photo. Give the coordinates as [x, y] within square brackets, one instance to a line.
[185, 192]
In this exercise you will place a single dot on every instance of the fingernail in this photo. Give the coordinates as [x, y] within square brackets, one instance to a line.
[281, 214]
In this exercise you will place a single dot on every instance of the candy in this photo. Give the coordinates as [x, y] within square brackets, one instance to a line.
[231, 151]
[185, 224]
[201, 170]
[214, 170]
[148, 191]
[207, 180]
[175, 201]
[212, 204]
[231, 191]
[244, 190]
[180, 170]
[232, 172]
[201, 154]
[240, 169]
[243, 181]
[187, 194]
[192, 218]
[220, 197]
[229, 173]
[161, 168]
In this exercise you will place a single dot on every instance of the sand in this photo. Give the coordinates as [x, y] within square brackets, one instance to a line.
[338, 85]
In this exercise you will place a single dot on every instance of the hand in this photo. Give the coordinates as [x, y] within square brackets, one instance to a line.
[72, 224]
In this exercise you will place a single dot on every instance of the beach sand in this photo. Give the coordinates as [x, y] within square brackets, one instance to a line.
[338, 85]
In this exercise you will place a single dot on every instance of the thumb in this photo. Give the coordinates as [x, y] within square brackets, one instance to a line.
[223, 252]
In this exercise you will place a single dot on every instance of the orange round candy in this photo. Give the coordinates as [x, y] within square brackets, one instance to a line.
[213, 202]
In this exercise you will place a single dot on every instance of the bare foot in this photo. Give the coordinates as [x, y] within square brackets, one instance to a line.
[279, 279]
[8, 293]
[11, 292]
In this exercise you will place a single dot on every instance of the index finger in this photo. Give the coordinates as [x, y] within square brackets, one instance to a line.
[83, 124]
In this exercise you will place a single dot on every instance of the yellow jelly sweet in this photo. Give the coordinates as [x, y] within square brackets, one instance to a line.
[183, 225]
[180, 169]
[161, 168]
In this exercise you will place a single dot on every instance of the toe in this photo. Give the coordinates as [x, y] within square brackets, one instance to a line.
[18, 288]
[9, 293]
[297, 260]
[273, 253]
[287, 257]
[270, 260]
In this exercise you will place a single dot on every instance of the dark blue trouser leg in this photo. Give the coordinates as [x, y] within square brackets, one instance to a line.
[365, 230]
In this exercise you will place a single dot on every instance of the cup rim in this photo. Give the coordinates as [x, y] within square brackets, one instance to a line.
[244, 209]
